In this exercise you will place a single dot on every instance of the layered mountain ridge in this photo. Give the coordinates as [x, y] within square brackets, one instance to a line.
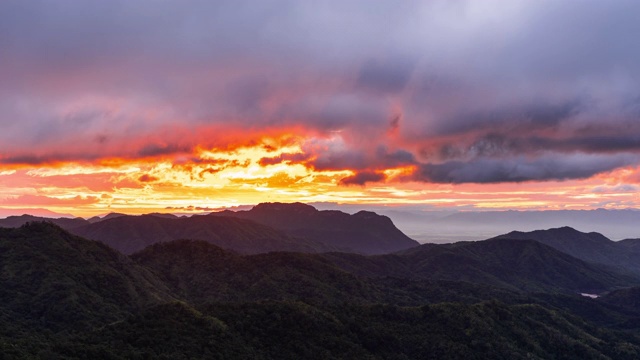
[593, 247]
[267, 227]
[516, 297]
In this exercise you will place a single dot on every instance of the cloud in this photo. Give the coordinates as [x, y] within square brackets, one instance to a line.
[192, 208]
[33, 159]
[391, 77]
[286, 157]
[335, 154]
[148, 178]
[152, 150]
[622, 188]
[362, 178]
[549, 167]
[467, 91]
[524, 117]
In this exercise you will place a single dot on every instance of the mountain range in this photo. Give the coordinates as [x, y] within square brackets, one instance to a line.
[593, 247]
[447, 226]
[67, 297]
[266, 227]
[517, 296]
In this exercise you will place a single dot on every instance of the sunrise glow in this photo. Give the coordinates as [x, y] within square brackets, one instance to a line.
[187, 112]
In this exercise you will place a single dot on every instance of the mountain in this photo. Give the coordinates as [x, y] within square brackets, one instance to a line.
[201, 272]
[631, 244]
[626, 298]
[298, 227]
[433, 226]
[512, 264]
[296, 330]
[65, 223]
[6, 212]
[129, 234]
[592, 247]
[106, 217]
[62, 296]
[363, 232]
[54, 280]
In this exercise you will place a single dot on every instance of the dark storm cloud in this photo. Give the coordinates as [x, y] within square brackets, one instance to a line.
[593, 143]
[356, 159]
[361, 178]
[455, 88]
[529, 117]
[33, 159]
[504, 144]
[153, 150]
[520, 169]
[293, 158]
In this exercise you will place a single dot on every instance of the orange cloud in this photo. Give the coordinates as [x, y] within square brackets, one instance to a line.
[280, 166]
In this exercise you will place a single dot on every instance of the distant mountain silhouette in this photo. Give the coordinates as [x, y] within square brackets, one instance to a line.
[66, 223]
[592, 247]
[267, 227]
[129, 234]
[363, 232]
[106, 217]
[632, 244]
[39, 212]
[434, 226]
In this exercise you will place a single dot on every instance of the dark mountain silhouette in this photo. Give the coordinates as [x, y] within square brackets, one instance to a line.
[62, 296]
[295, 330]
[617, 224]
[631, 244]
[446, 226]
[363, 232]
[513, 264]
[202, 272]
[65, 223]
[305, 230]
[106, 217]
[626, 298]
[129, 234]
[592, 247]
[54, 280]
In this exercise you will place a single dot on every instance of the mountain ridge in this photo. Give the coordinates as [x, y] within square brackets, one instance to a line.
[515, 264]
[67, 297]
[130, 234]
[266, 227]
[593, 247]
[363, 232]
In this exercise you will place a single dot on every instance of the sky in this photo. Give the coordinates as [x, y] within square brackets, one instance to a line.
[189, 106]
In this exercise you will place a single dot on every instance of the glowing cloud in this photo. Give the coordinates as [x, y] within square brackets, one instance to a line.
[145, 106]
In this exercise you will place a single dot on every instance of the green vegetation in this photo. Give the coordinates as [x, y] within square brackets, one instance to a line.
[524, 265]
[64, 297]
[53, 280]
[592, 247]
